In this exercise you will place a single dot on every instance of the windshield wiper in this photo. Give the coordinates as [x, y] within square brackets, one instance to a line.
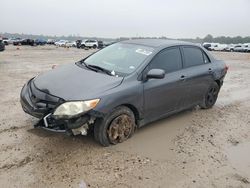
[98, 68]
[86, 65]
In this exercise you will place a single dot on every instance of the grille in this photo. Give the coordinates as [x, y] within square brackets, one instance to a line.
[42, 100]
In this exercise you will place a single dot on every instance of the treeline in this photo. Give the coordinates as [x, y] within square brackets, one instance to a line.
[221, 39]
[208, 38]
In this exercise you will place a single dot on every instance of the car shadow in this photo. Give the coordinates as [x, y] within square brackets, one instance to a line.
[156, 140]
[88, 139]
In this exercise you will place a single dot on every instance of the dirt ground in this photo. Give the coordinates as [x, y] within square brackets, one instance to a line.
[196, 148]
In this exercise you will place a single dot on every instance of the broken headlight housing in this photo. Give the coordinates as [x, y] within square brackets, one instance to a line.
[74, 108]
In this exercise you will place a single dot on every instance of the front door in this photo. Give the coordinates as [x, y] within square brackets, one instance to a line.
[163, 96]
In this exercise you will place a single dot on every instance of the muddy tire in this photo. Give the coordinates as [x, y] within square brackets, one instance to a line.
[116, 127]
[210, 96]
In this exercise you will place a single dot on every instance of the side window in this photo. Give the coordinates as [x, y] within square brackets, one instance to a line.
[168, 60]
[192, 56]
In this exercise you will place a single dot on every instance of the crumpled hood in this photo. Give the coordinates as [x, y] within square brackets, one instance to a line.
[72, 82]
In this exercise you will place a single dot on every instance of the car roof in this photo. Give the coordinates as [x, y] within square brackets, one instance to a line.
[157, 43]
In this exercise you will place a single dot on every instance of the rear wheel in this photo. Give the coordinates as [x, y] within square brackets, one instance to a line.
[116, 127]
[210, 96]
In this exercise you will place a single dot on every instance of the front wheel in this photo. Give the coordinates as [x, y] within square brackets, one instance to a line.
[116, 127]
[210, 96]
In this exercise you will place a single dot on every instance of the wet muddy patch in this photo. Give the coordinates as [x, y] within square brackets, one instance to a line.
[155, 140]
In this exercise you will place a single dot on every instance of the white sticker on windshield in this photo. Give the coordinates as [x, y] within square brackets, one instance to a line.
[144, 52]
[131, 67]
[113, 72]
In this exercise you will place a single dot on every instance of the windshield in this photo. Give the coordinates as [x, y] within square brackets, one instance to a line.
[120, 58]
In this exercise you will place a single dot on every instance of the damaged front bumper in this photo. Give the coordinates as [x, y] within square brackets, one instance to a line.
[41, 105]
[73, 126]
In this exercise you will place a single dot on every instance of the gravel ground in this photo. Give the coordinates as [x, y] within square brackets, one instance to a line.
[196, 148]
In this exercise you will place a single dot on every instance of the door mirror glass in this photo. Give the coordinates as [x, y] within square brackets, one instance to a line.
[156, 73]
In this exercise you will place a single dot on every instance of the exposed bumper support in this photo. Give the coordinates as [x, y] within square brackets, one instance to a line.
[72, 126]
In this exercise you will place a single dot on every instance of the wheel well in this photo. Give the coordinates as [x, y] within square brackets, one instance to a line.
[134, 110]
[218, 82]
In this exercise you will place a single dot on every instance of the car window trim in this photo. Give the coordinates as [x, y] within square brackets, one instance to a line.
[204, 54]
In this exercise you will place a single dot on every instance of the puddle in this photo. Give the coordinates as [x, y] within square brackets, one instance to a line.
[239, 156]
[155, 140]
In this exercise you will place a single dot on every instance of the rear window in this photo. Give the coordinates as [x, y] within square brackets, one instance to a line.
[193, 56]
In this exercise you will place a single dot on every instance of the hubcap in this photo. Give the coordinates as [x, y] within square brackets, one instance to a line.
[120, 129]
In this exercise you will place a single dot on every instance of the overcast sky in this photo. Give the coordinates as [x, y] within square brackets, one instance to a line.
[115, 18]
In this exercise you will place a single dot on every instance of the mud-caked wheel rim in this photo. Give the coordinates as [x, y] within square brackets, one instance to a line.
[212, 96]
[120, 129]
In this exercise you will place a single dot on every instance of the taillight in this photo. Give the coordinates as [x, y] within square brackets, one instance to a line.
[226, 68]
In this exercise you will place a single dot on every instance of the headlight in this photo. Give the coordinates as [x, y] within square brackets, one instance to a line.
[74, 108]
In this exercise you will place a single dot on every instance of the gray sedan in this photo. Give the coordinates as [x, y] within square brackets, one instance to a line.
[124, 87]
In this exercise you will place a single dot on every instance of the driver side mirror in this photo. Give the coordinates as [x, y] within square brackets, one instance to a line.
[156, 74]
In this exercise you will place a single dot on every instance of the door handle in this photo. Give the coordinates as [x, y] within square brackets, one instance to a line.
[210, 70]
[183, 77]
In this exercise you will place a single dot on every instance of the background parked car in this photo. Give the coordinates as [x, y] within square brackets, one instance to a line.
[239, 48]
[2, 45]
[17, 41]
[30, 42]
[5, 40]
[230, 48]
[247, 47]
[40, 42]
[70, 44]
[78, 43]
[61, 43]
[90, 44]
[12, 40]
[51, 41]
[218, 47]
[206, 45]
[100, 44]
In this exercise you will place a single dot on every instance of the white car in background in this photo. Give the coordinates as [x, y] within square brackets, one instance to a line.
[218, 47]
[89, 44]
[230, 48]
[247, 47]
[12, 40]
[239, 48]
[61, 43]
[71, 44]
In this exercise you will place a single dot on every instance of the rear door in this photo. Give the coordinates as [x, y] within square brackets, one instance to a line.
[163, 96]
[199, 72]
